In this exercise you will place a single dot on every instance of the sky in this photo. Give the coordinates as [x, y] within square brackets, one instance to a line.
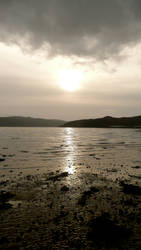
[70, 59]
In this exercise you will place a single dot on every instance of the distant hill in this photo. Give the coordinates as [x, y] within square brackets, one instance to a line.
[107, 122]
[19, 121]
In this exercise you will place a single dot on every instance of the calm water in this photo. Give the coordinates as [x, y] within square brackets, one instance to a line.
[111, 152]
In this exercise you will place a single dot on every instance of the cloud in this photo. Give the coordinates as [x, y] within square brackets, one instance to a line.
[93, 28]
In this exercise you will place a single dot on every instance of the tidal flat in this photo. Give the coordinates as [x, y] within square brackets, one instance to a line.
[66, 188]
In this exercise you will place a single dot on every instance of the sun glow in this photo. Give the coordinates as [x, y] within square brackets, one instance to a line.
[70, 79]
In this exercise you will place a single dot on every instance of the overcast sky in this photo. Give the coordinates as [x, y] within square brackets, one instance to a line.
[70, 59]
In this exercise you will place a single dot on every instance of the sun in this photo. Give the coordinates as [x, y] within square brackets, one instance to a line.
[70, 79]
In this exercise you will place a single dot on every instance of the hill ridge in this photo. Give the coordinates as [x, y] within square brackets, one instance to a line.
[106, 122]
[23, 121]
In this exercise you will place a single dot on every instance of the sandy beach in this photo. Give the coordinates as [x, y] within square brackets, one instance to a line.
[91, 203]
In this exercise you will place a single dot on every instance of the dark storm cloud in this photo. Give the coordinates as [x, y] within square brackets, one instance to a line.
[96, 28]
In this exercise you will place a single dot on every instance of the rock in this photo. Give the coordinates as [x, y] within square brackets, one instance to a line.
[64, 189]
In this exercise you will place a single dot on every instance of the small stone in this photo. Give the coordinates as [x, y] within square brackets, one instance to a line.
[64, 189]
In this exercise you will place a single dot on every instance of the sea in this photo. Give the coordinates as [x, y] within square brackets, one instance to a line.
[112, 153]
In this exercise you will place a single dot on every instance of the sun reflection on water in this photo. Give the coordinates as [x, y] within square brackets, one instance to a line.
[70, 169]
[71, 148]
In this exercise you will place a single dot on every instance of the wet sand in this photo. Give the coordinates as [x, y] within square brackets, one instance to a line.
[58, 210]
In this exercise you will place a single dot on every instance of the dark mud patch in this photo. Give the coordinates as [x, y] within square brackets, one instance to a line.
[11, 155]
[3, 155]
[86, 195]
[136, 167]
[135, 176]
[105, 232]
[65, 189]
[112, 170]
[4, 198]
[58, 176]
[2, 159]
[41, 153]
[4, 183]
[130, 189]
[59, 217]
[15, 138]
[130, 202]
